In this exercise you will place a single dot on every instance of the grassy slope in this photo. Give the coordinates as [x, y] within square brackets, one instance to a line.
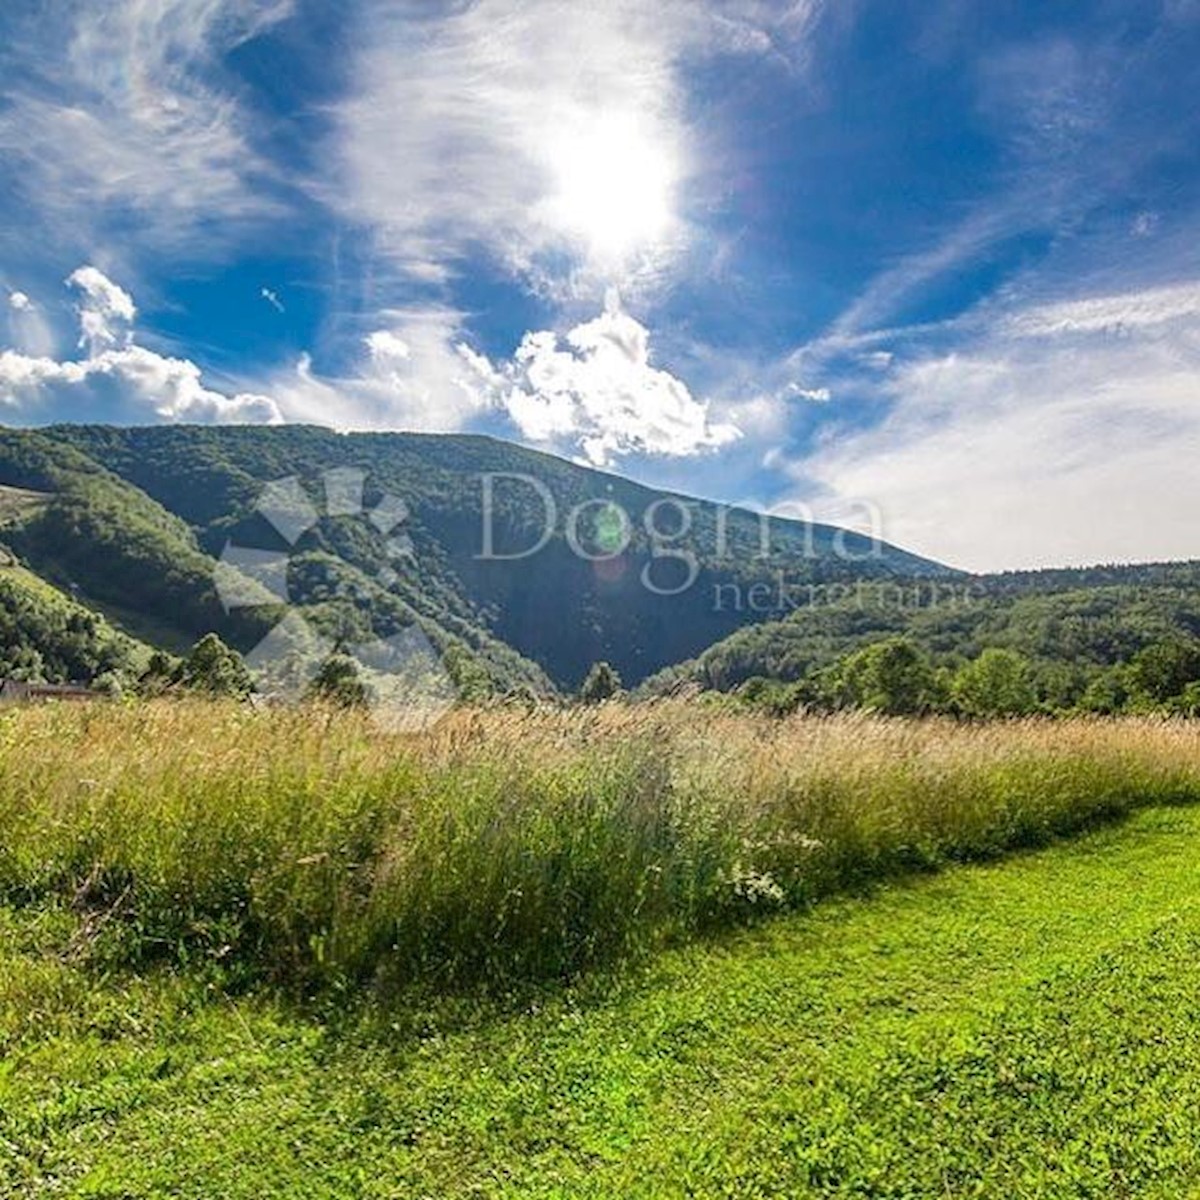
[1026, 1028]
[16, 503]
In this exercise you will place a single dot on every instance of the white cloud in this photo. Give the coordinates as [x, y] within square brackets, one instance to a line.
[416, 375]
[117, 108]
[1044, 441]
[1073, 128]
[597, 390]
[1144, 224]
[387, 348]
[117, 381]
[1110, 314]
[820, 395]
[105, 312]
[26, 326]
[536, 130]
[132, 384]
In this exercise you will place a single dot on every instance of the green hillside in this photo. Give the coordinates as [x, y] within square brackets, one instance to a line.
[1069, 624]
[45, 636]
[121, 553]
[557, 607]
[132, 522]
[106, 541]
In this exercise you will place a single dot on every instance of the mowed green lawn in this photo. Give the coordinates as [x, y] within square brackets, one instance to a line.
[1026, 1028]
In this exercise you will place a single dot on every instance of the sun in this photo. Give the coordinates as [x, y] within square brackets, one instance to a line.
[613, 186]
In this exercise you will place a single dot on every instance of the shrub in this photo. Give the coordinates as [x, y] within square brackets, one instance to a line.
[602, 683]
[892, 677]
[999, 683]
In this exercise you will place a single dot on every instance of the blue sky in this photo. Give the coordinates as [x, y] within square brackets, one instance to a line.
[927, 269]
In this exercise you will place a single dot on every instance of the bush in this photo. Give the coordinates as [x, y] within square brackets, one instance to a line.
[214, 669]
[999, 683]
[891, 677]
[602, 683]
[338, 682]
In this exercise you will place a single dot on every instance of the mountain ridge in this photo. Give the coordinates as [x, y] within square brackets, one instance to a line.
[561, 609]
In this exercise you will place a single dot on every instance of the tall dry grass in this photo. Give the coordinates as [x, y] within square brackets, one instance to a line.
[507, 846]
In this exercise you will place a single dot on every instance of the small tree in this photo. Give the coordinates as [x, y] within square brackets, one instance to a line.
[602, 683]
[892, 677]
[339, 682]
[776, 697]
[1187, 703]
[213, 668]
[999, 683]
[471, 680]
[1164, 669]
[111, 684]
[161, 671]
[1106, 693]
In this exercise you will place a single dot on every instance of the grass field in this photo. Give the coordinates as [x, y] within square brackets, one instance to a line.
[309, 849]
[1024, 1028]
[282, 954]
[18, 503]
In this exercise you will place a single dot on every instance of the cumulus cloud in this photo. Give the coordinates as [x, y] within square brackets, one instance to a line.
[387, 348]
[106, 311]
[1044, 440]
[18, 301]
[594, 391]
[597, 390]
[132, 384]
[117, 380]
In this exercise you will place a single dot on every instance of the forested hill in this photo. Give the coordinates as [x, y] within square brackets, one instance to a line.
[134, 518]
[1069, 625]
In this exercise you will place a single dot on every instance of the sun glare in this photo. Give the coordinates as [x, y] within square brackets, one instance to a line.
[613, 187]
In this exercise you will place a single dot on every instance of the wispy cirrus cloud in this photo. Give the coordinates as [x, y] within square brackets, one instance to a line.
[1124, 312]
[1061, 433]
[1070, 129]
[117, 117]
[552, 136]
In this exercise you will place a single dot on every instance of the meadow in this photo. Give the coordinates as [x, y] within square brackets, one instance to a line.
[670, 949]
[309, 850]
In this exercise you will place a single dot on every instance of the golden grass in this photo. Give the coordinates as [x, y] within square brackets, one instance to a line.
[506, 845]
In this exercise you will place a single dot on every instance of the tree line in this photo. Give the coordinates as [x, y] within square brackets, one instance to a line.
[897, 677]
